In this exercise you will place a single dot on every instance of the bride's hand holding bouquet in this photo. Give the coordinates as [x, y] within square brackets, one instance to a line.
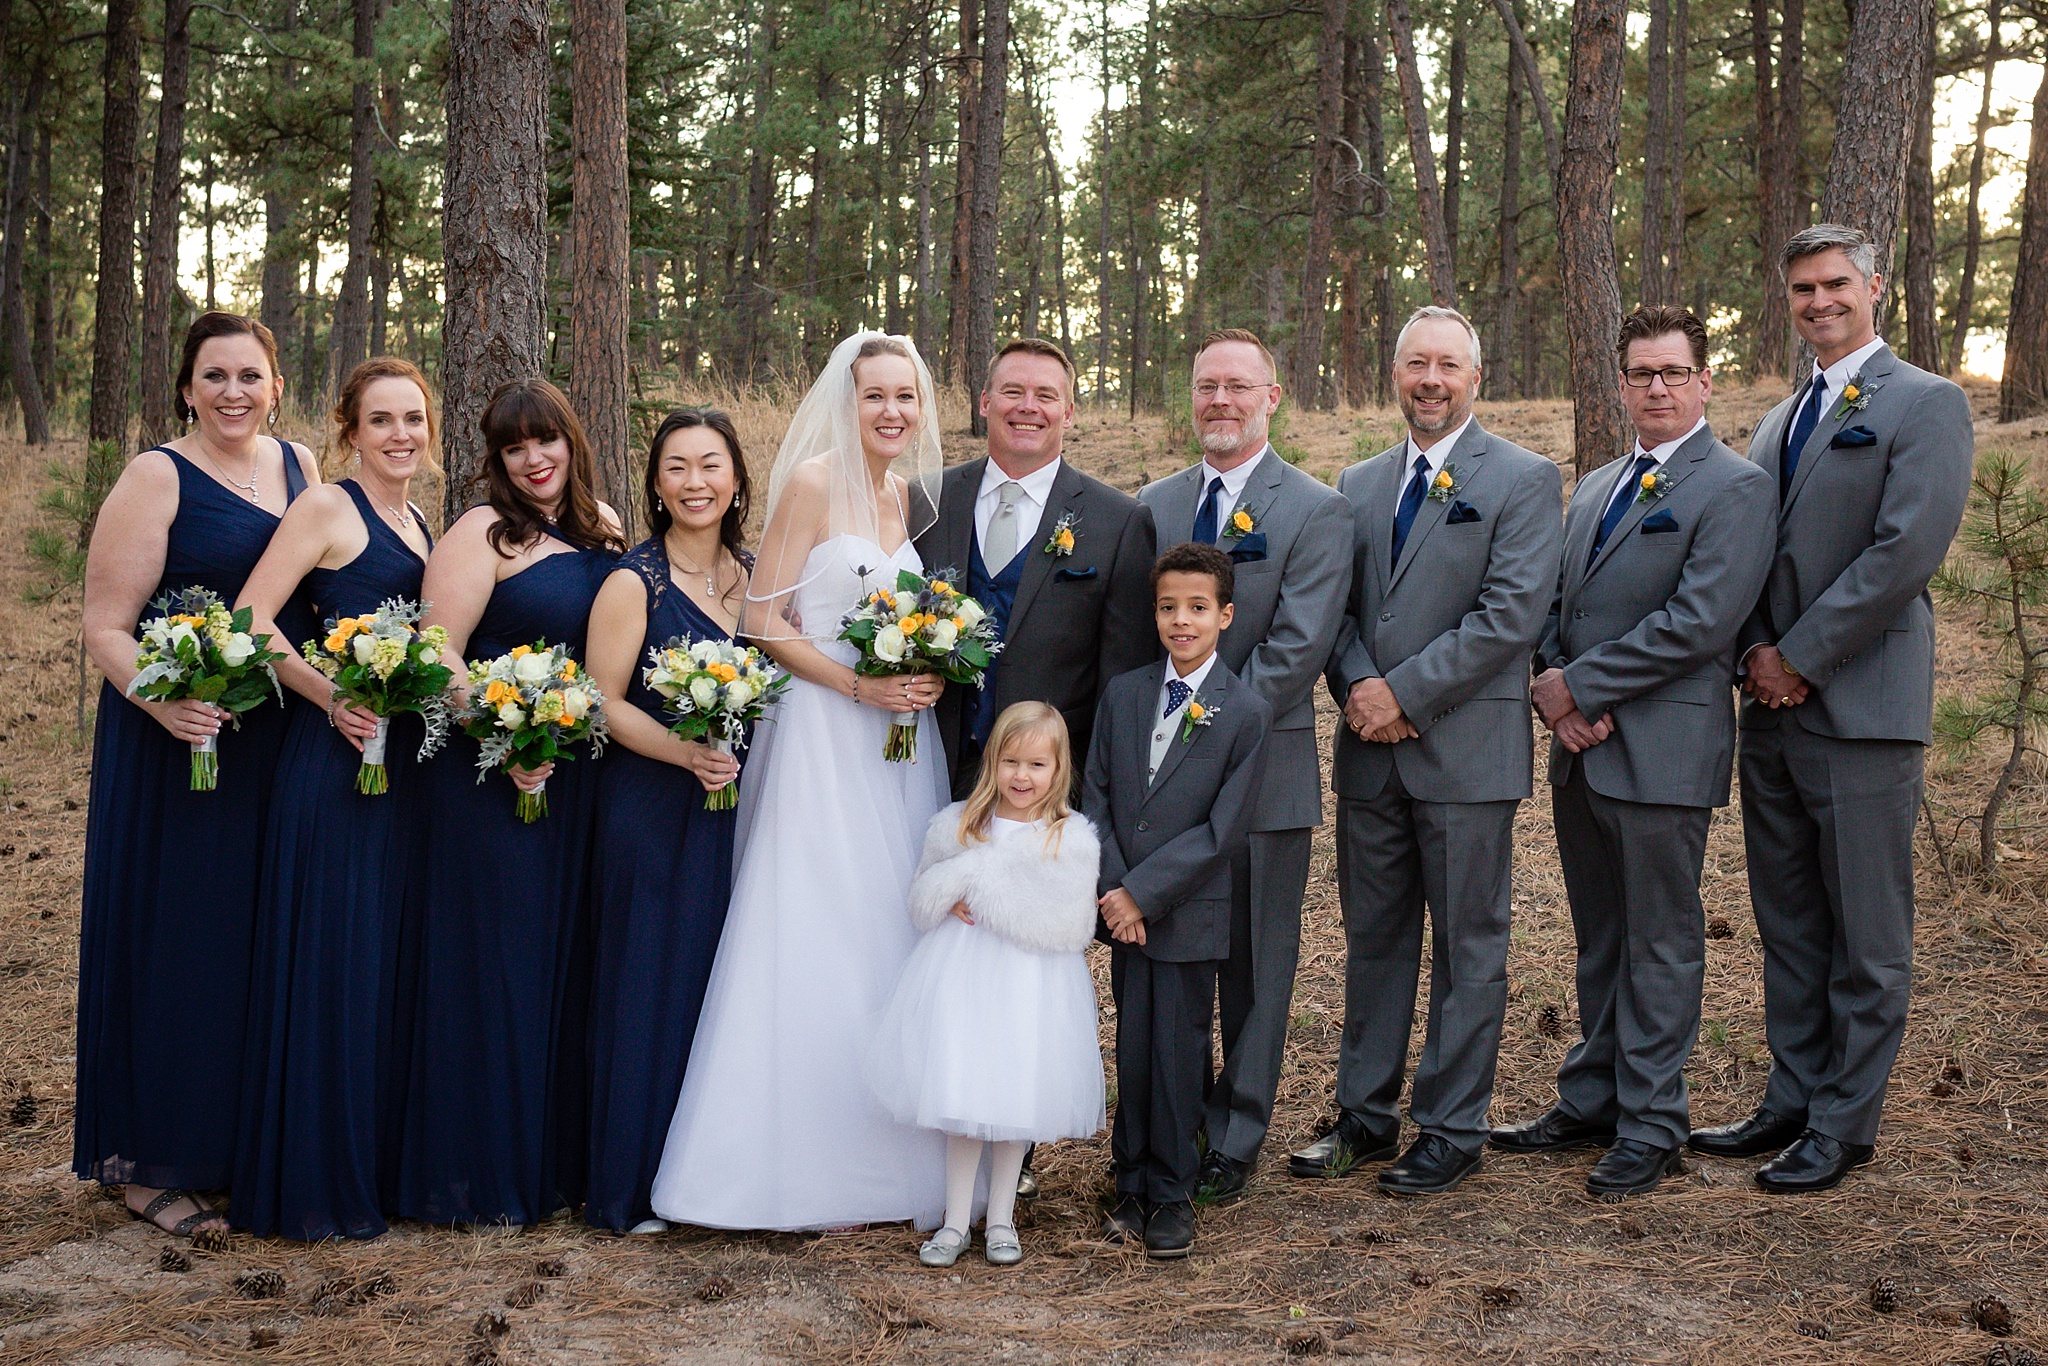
[523, 709]
[923, 626]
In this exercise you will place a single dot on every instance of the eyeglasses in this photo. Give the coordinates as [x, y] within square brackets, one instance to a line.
[1674, 376]
[1209, 389]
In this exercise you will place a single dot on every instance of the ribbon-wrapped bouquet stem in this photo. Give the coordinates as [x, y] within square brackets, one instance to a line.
[715, 690]
[923, 626]
[384, 663]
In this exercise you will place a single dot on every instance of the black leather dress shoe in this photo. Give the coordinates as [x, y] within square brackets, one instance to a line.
[1223, 1178]
[1766, 1131]
[1126, 1222]
[1814, 1163]
[1552, 1131]
[1631, 1167]
[1170, 1232]
[1338, 1152]
[1431, 1166]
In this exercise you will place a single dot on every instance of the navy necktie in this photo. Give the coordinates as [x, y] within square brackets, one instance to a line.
[1802, 427]
[1411, 503]
[1205, 518]
[1176, 693]
[1624, 497]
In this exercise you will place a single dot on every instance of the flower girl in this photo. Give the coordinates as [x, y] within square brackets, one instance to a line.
[990, 1035]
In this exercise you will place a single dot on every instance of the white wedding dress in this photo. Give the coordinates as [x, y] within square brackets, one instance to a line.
[776, 1128]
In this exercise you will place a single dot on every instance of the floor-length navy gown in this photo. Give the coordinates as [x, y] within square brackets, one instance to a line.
[496, 1101]
[169, 905]
[663, 876]
[320, 1080]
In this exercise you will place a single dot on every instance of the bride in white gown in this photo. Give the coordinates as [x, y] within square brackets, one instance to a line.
[775, 1128]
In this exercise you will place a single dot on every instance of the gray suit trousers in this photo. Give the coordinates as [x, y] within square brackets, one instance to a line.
[1828, 826]
[1255, 986]
[1396, 855]
[1162, 1036]
[1632, 870]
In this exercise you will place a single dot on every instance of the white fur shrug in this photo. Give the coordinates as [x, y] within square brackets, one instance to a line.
[1014, 889]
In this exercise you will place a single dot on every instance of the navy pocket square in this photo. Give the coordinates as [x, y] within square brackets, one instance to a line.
[1660, 520]
[1854, 436]
[1461, 512]
[1067, 575]
[1248, 547]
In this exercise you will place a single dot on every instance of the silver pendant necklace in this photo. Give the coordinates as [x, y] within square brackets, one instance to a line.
[249, 489]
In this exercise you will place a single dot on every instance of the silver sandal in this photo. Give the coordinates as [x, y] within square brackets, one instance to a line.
[201, 1212]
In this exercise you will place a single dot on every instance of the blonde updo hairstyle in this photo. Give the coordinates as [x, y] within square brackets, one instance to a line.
[337, 456]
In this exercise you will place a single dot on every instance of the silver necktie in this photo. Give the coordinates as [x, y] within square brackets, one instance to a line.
[999, 547]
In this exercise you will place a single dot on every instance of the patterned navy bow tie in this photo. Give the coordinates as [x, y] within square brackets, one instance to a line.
[1177, 692]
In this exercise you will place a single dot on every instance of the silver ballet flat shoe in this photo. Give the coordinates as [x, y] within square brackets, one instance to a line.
[646, 1226]
[943, 1248]
[1000, 1243]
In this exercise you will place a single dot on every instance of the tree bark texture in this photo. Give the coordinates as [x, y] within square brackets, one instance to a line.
[1443, 288]
[1923, 329]
[600, 290]
[988, 186]
[2024, 389]
[1454, 151]
[1532, 81]
[1973, 222]
[1352, 368]
[113, 324]
[348, 342]
[966, 157]
[1781, 180]
[21, 358]
[1306, 372]
[1653, 287]
[1508, 283]
[1585, 228]
[45, 281]
[1874, 119]
[753, 296]
[494, 227]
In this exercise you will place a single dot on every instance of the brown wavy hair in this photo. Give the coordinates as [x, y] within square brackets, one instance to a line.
[348, 413]
[732, 526]
[535, 410]
[207, 326]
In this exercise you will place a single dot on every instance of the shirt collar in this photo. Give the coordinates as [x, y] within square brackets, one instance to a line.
[1235, 479]
[1438, 454]
[1842, 371]
[1193, 680]
[1037, 485]
[1663, 450]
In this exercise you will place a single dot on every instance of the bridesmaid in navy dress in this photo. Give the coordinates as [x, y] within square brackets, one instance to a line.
[170, 874]
[663, 862]
[494, 1124]
[319, 1093]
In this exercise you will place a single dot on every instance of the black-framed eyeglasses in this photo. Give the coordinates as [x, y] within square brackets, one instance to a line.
[1674, 376]
[1209, 389]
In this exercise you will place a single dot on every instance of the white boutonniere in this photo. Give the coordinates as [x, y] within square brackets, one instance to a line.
[1855, 398]
[1446, 485]
[1060, 544]
[1655, 484]
[1243, 523]
[1199, 713]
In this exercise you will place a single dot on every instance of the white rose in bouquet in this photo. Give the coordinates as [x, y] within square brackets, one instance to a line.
[575, 703]
[738, 693]
[364, 646]
[704, 651]
[181, 633]
[704, 692]
[942, 635]
[512, 715]
[890, 644]
[429, 656]
[237, 651]
[534, 666]
[970, 613]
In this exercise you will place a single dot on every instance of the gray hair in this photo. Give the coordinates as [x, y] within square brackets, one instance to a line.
[1861, 251]
[1429, 312]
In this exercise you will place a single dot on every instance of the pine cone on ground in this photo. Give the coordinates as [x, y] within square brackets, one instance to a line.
[23, 1112]
[551, 1268]
[334, 1287]
[1815, 1329]
[2012, 1354]
[259, 1285]
[1304, 1341]
[715, 1288]
[1550, 1022]
[1421, 1280]
[526, 1295]
[170, 1259]
[1992, 1315]
[374, 1286]
[1500, 1296]
[1719, 928]
[1884, 1295]
[490, 1326]
[210, 1240]
[261, 1337]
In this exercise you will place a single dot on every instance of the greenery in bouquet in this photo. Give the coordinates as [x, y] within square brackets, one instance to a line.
[525, 708]
[194, 648]
[922, 626]
[714, 689]
[384, 663]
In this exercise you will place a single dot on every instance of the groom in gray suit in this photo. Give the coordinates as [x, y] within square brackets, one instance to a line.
[1455, 535]
[1288, 538]
[1872, 459]
[1664, 555]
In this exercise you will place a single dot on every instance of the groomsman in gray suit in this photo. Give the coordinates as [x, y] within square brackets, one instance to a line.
[1289, 540]
[1872, 459]
[1664, 554]
[1456, 540]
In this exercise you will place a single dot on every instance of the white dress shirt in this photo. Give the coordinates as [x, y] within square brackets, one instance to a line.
[1234, 481]
[1166, 723]
[1837, 376]
[1436, 455]
[1030, 508]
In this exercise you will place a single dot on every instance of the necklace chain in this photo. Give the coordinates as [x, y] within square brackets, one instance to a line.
[710, 585]
[255, 470]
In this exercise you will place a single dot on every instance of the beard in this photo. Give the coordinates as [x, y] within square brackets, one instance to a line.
[1454, 413]
[1252, 435]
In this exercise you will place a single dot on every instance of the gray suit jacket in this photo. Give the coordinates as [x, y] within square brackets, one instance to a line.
[1863, 528]
[1293, 575]
[1169, 842]
[1646, 634]
[1079, 619]
[1451, 627]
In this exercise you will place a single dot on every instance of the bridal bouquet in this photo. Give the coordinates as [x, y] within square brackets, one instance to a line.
[714, 689]
[383, 663]
[194, 647]
[924, 626]
[524, 708]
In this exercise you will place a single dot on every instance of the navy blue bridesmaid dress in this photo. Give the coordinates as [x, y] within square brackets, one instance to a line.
[663, 876]
[169, 907]
[494, 1129]
[321, 1091]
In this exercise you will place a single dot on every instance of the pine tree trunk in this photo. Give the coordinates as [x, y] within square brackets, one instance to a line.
[1372, 65]
[1674, 230]
[1532, 82]
[965, 160]
[988, 186]
[1923, 338]
[1508, 282]
[494, 228]
[348, 342]
[45, 274]
[921, 307]
[1102, 230]
[113, 325]
[815, 230]
[28, 389]
[2024, 389]
[1781, 181]
[1305, 373]
[1874, 119]
[1443, 289]
[1973, 222]
[1656, 157]
[1454, 152]
[1585, 220]
[1352, 368]
[600, 290]
[753, 300]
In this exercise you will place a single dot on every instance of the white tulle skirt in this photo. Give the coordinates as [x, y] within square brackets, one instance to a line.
[988, 1040]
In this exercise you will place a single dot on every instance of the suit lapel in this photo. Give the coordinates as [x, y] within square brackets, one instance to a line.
[1067, 490]
[1264, 486]
[1139, 736]
[1678, 469]
[1215, 690]
[956, 517]
[1469, 455]
[1382, 500]
[1832, 421]
[1596, 489]
[1769, 436]
[1178, 501]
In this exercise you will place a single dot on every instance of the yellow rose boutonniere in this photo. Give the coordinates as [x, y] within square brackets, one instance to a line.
[1445, 486]
[1655, 485]
[1242, 523]
[1855, 398]
[1060, 544]
[1199, 713]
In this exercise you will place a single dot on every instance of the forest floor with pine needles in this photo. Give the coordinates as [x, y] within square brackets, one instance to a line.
[1517, 1265]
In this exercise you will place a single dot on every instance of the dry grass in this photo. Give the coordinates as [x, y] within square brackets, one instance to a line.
[1706, 1270]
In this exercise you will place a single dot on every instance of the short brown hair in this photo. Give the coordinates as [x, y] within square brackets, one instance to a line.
[208, 325]
[1192, 557]
[1037, 346]
[1659, 320]
[1239, 334]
